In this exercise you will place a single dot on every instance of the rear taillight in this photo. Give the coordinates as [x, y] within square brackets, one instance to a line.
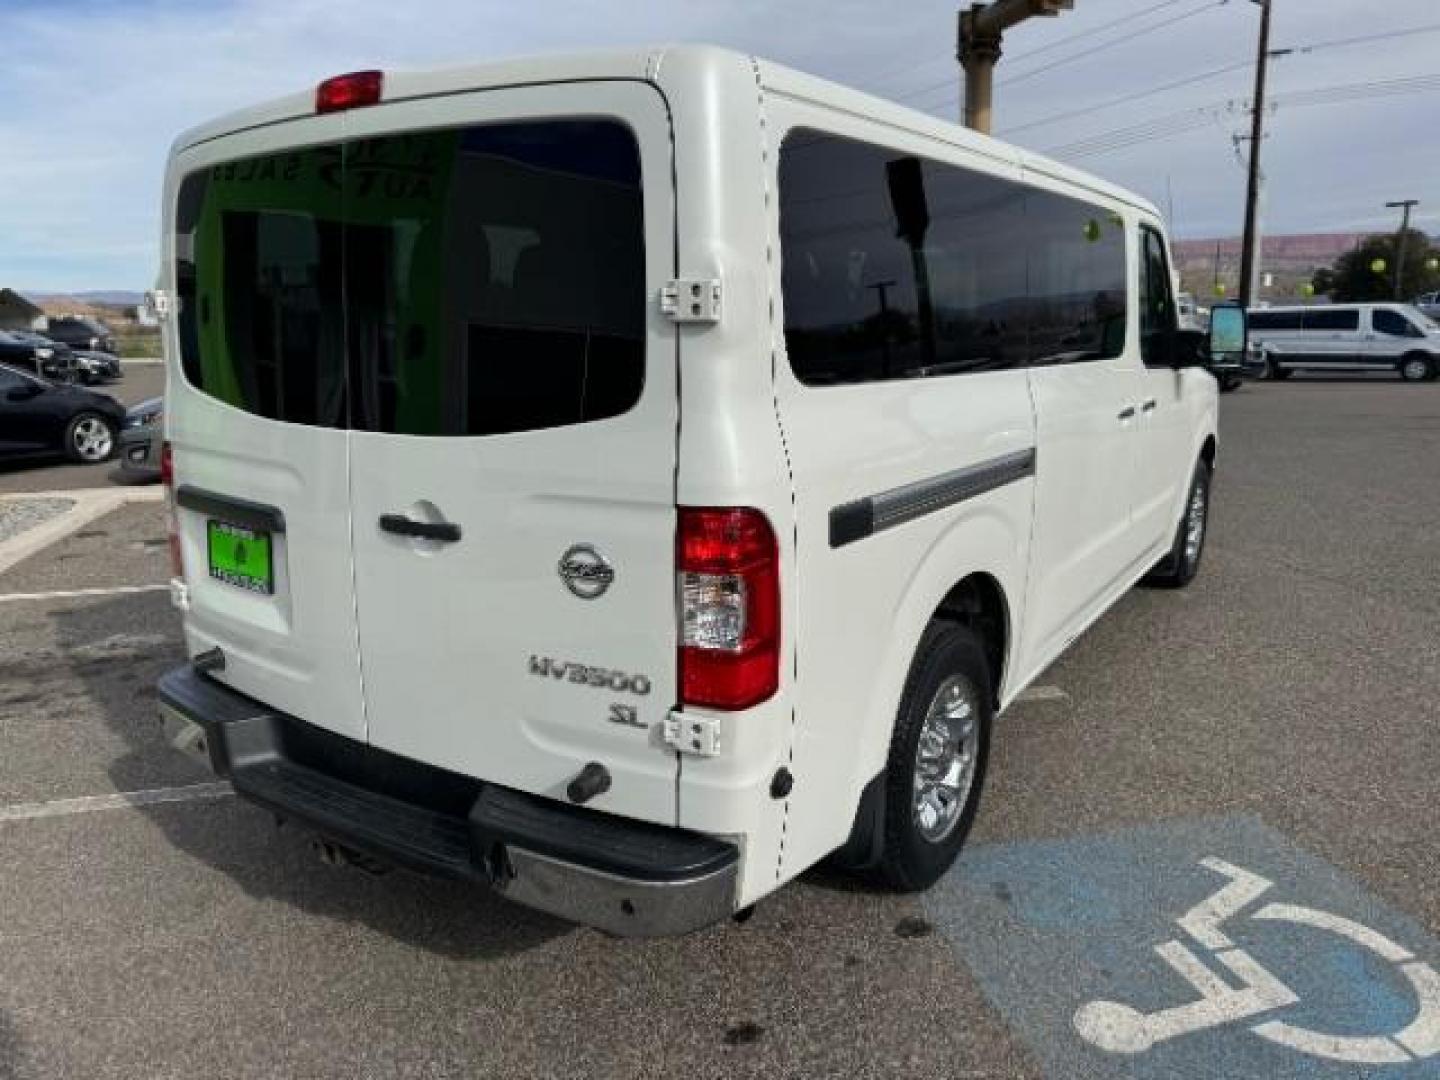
[349, 91]
[172, 523]
[727, 569]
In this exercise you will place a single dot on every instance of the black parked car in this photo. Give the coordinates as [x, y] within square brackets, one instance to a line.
[40, 418]
[38, 354]
[81, 333]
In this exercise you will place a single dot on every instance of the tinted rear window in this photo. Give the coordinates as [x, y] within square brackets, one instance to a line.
[464, 282]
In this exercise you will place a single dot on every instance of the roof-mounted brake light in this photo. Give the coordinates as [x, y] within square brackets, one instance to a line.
[348, 91]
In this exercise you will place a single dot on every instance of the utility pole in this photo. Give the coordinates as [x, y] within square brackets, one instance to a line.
[1257, 136]
[1402, 241]
[982, 28]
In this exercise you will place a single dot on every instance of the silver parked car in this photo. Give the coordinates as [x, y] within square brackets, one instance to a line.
[141, 438]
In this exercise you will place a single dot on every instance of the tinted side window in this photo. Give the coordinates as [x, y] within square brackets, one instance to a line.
[1275, 320]
[896, 267]
[1078, 290]
[1390, 322]
[1332, 319]
[1157, 312]
[464, 282]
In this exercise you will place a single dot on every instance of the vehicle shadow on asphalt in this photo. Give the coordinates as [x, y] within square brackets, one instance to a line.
[453, 919]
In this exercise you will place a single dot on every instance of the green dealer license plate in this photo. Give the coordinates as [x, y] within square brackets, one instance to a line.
[240, 557]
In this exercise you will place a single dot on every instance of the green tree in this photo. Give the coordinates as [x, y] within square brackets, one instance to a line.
[1353, 277]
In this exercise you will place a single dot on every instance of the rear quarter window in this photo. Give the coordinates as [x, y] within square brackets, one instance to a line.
[473, 281]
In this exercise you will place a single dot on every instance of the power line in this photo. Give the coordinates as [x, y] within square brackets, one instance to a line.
[950, 83]
[1095, 30]
[1298, 49]
[1365, 39]
[1128, 98]
[1084, 54]
[1185, 121]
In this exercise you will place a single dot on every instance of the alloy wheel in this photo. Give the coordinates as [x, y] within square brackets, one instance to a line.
[945, 759]
[93, 439]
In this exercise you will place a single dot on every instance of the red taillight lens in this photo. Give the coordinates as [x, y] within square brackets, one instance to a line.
[349, 91]
[727, 569]
[172, 523]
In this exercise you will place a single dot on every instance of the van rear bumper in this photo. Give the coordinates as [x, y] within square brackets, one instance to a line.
[627, 877]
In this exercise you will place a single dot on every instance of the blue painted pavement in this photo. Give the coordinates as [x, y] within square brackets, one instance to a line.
[1050, 926]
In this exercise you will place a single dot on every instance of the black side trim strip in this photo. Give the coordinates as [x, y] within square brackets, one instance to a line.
[865, 517]
[251, 515]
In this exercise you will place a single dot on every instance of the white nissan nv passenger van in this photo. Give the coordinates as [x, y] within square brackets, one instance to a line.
[629, 479]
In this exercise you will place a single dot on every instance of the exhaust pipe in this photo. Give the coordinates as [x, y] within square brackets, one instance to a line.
[333, 854]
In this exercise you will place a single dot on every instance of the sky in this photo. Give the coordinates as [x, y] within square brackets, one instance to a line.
[92, 93]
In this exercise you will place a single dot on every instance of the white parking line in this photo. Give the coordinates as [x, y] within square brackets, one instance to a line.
[67, 594]
[122, 801]
[1043, 693]
[90, 505]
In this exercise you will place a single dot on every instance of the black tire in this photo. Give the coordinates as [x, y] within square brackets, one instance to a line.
[84, 441]
[1180, 566]
[1229, 383]
[948, 654]
[1278, 373]
[1416, 367]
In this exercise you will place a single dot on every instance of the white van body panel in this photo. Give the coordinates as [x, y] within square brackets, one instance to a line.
[732, 456]
[443, 636]
[853, 441]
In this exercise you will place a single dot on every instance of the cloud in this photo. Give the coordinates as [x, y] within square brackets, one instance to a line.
[93, 92]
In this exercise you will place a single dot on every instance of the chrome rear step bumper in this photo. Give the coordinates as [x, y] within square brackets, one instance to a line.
[627, 877]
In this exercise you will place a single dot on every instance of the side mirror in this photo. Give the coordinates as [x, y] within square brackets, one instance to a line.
[1229, 336]
[1188, 349]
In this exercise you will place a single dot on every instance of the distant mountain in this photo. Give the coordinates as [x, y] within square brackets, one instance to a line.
[119, 297]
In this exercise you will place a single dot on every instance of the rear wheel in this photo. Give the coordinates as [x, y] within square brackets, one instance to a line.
[1179, 568]
[937, 757]
[89, 438]
[1416, 368]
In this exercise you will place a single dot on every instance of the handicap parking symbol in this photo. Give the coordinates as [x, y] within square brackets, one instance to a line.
[1194, 949]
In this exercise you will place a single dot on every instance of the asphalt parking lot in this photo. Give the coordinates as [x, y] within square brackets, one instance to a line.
[138, 382]
[1279, 718]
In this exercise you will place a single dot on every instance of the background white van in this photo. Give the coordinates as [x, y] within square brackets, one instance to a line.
[1348, 338]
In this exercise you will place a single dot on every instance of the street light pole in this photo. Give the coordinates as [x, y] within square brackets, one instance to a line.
[1257, 134]
[1402, 241]
[982, 28]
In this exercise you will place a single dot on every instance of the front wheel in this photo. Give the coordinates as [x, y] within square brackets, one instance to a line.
[937, 757]
[1180, 566]
[89, 438]
[1229, 383]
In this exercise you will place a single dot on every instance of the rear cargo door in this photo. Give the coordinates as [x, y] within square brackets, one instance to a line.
[513, 458]
[257, 419]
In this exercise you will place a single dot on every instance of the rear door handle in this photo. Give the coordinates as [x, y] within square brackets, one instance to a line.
[447, 532]
[1127, 413]
[1149, 406]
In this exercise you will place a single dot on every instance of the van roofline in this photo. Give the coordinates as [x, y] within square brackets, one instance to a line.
[647, 63]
